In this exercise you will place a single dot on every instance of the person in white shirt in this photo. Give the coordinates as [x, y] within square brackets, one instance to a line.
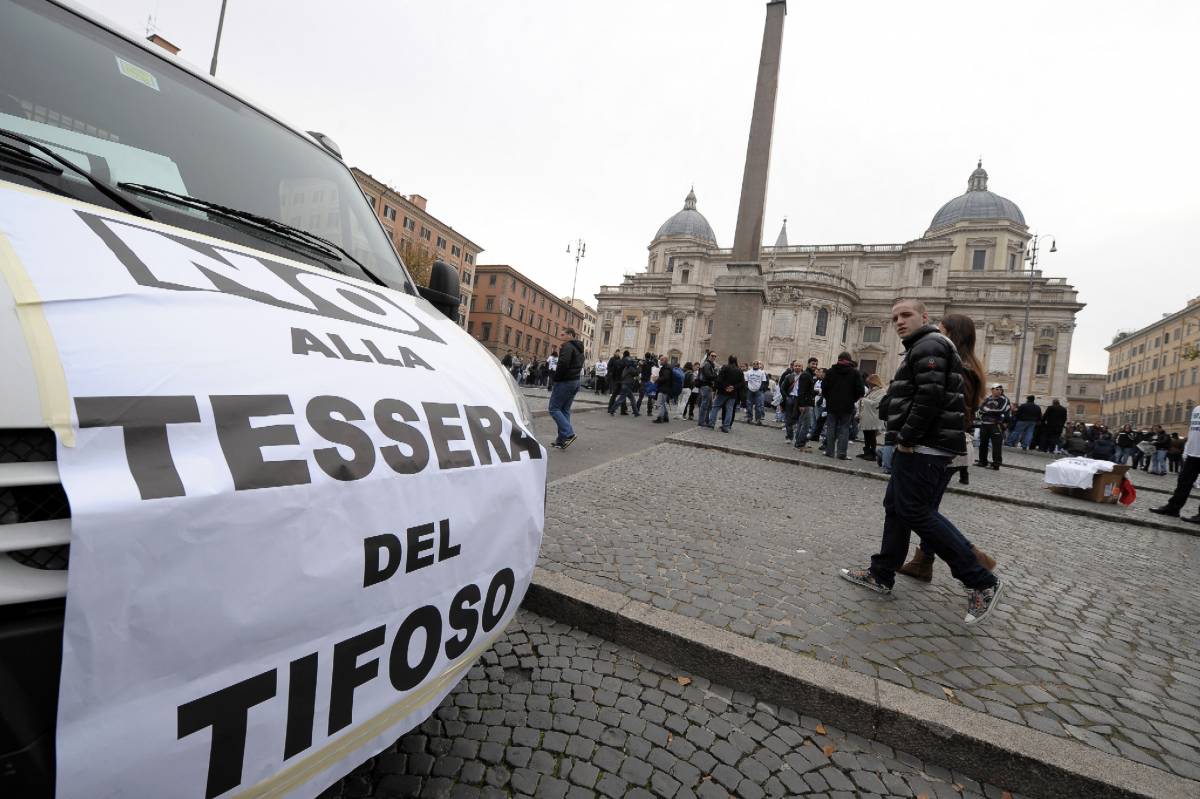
[552, 365]
[755, 396]
[1187, 475]
[601, 376]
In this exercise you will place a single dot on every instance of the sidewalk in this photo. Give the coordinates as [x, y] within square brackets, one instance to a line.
[1094, 639]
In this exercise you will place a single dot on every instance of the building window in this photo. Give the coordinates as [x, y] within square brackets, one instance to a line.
[389, 212]
[486, 333]
[926, 277]
[1012, 262]
[521, 314]
[978, 260]
[606, 336]
[709, 328]
[679, 325]
[528, 341]
[509, 307]
[454, 250]
[409, 224]
[871, 335]
[470, 327]
[467, 278]
[490, 305]
[822, 322]
[370, 201]
[441, 243]
[1079, 410]
[683, 275]
[845, 328]
[1043, 363]
[507, 334]
[470, 258]
[425, 233]
[653, 337]
[491, 280]
[1082, 390]
[1047, 332]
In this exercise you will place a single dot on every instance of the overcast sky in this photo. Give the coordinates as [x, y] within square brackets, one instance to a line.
[528, 123]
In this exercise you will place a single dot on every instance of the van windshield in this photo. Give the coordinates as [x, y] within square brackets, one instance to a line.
[128, 116]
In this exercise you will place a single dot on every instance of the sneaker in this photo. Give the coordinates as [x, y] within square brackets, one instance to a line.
[864, 578]
[981, 602]
[568, 441]
[556, 444]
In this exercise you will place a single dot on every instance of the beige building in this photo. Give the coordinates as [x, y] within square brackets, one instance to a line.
[1085, 393]
[1154, 373]
[822, 299]
[420, 237]
[587, 331]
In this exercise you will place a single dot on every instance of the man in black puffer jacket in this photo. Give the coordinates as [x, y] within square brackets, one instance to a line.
[925, 410]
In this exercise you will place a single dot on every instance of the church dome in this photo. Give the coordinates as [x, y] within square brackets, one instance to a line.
[688, 223]
[977, 204]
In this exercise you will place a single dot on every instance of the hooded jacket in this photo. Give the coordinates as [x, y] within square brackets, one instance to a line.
[570, 362]
[842, 387]
[925, 401]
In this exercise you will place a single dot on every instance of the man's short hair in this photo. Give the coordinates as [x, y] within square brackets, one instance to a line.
[813, 360]
[1029, 398]
[917, 305]
[626, 353]
[844, 356]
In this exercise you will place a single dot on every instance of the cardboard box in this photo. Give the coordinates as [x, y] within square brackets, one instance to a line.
[1106, 486]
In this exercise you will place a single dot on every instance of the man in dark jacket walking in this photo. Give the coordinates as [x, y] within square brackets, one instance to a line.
[925, 420]
[1053, 422]
[1028, 414]
[566, 386]
[614, 380]
[624, 386]
[842, 387]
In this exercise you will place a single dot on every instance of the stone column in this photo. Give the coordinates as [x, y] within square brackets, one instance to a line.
[741, 292]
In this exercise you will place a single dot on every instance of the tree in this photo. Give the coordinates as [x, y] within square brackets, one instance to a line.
[420, 264]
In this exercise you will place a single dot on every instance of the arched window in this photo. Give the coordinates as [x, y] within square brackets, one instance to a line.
[822, 321]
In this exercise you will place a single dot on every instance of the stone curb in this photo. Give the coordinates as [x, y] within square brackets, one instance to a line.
[1024, 760]
[1025, 503]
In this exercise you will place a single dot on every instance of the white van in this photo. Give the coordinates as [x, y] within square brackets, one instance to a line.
[340, 467]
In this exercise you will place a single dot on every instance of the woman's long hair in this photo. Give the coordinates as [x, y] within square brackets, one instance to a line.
[961, 330]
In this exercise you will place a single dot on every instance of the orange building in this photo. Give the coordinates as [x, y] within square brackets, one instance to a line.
[511, 313]
[420, 237]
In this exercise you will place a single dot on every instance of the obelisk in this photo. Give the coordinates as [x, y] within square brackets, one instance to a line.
[742, 291]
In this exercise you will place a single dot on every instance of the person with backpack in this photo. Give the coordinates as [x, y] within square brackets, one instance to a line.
[729, 383]
[755, 395]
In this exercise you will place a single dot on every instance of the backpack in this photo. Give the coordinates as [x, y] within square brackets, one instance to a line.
[677, 382]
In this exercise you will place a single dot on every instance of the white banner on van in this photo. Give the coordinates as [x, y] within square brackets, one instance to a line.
[301, 506]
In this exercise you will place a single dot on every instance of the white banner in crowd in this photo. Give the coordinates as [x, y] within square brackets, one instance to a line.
[301, 505]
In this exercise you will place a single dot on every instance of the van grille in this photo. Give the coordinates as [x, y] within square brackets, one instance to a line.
[35, 503]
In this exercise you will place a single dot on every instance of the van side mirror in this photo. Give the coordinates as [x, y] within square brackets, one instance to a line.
[442, 291]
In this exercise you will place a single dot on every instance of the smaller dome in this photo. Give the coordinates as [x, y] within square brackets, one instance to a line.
[688, 223]
[977, 203]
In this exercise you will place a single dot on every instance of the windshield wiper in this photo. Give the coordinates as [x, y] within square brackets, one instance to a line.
[102, 187]
[26, 159]
[310, 240]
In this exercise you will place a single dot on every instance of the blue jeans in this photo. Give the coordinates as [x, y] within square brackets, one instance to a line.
[1023, 432]
[755, 405]
[885, 456]
[910, 505]
[561, 397]
[706, 397]
[1159, 463]
[837, 433]
[662, 407]
[805, 419]
[725, 408]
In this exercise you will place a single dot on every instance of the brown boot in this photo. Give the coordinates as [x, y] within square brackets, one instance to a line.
[985, 560]
[920, 567]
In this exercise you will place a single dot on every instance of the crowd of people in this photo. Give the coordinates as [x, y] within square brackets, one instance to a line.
[934, 415]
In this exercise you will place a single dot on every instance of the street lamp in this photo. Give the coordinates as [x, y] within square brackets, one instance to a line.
[1031, 256]
[580, 251]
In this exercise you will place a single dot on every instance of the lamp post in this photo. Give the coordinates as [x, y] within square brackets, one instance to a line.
[212, 70]
[1031, 255]
[580, 251]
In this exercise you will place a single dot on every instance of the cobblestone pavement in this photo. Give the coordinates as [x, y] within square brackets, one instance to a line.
[554, 712]
[1095, 637]
[602, 438]
[1015, 483]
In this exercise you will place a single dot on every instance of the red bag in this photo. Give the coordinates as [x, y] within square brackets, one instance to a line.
[1128, 492]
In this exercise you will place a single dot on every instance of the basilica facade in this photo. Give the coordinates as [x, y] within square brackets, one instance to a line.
[825, 298]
